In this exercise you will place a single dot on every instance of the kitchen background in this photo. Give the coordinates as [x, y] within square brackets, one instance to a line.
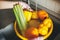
[53, 5]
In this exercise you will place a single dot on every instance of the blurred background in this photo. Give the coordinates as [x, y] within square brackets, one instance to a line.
[53, 5]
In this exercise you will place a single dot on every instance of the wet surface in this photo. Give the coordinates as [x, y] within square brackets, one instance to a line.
[7, 32]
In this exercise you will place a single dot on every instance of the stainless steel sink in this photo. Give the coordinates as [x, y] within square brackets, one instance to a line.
[7, 19]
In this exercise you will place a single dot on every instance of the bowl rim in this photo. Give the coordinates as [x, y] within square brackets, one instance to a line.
[22, 37]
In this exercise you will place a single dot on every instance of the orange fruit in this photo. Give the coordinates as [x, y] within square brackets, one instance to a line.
[27, 15]
[31, 32]
[42, 14]
[34, 15]
[43, 31]
[47, 22]
[41, 25]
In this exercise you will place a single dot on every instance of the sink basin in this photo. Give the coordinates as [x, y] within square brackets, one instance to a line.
[7, 19]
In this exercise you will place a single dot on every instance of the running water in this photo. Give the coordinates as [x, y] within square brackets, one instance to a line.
[36, 7]
[38, 38]
[29, 5]
[29, 2]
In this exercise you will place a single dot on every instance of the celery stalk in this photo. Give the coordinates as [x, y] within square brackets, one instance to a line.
[22, 23]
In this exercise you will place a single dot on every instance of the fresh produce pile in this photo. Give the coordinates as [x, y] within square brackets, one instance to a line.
[39, 24]
[32, 24]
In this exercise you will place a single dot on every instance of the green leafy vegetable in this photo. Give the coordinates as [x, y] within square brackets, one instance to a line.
[22, 23]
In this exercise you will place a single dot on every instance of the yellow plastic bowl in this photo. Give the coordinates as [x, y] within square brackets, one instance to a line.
[23, 38]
